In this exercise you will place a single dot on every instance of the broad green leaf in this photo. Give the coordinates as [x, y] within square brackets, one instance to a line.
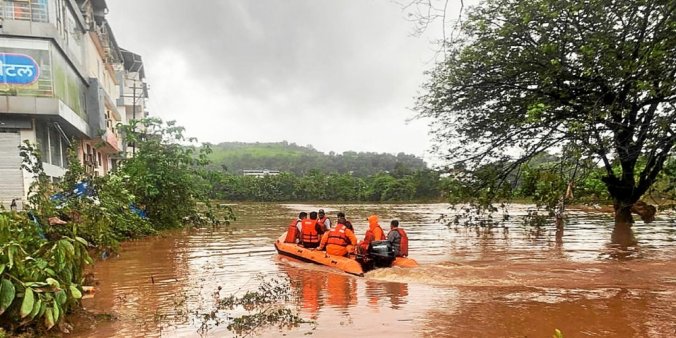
[36, 308]
[61, 297]
[53, 282]
[10, 255]
[41, 263]
[81, 240]
[56, 312]
[49, 318]
[75, 292]
[7, 294]
[27, 304]
[2, 268]
[43, 308]
[69, 246]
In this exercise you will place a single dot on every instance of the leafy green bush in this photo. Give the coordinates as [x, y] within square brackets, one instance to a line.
[164, 173]
[40, 279]
[43, 252]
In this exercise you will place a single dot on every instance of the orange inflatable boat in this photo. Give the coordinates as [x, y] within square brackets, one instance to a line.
[348, 264]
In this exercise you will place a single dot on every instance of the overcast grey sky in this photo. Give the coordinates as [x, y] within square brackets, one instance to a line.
[340, 75]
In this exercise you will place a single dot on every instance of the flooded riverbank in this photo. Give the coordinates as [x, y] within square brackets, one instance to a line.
[511, 282]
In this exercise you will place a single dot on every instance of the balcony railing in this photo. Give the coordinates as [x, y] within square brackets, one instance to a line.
[25, 10]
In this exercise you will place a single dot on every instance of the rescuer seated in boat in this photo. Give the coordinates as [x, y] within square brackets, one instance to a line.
[374, 233]
[339, 241]
[348, 224]
[399, 239]
[323, 220]
[295, 228]
[311, 231]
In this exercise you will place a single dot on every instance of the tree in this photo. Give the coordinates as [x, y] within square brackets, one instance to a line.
[164, 174]
[532, 75]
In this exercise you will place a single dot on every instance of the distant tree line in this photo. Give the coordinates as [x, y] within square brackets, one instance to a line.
[542, 181]
[402, 186]
[299, 160]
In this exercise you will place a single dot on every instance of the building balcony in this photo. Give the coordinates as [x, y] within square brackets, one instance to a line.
[111, 141]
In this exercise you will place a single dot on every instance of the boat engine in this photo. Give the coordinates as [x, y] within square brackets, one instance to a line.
[381, 253]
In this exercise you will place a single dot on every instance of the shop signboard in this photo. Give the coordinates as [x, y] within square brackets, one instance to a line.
[18, 69]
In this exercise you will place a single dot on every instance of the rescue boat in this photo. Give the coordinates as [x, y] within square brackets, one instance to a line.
[350, 264]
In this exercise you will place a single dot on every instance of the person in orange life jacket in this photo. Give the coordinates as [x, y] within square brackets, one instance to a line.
[339, 241]
[293, 233]
[398, 238]
[311, 231]
[374, 233]
[348, 224]
[323, 220]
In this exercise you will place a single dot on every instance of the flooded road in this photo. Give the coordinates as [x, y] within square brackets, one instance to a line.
[512, 282]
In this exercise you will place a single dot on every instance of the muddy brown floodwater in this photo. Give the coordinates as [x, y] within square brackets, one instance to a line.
[510, 282]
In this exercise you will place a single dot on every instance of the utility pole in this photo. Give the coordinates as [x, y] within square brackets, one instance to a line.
[133, 108]
[133, 115]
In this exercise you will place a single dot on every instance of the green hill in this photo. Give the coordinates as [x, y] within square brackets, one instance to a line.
[234, 157]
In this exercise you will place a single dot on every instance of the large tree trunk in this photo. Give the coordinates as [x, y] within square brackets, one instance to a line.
[623, 214]
[623, 199]
[623, 236]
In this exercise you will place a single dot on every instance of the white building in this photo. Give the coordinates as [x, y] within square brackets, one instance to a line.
[63, 79]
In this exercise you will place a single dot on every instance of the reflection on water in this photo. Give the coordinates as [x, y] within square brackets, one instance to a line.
[588, 281]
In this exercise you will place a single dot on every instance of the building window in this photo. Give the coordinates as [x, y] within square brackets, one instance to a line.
[53, 148]
[26, 10]
[42, 136]
[64, 153]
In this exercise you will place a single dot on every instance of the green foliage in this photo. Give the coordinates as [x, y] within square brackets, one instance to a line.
[421, 185]
[43, 252]
[105, 218]
[40, 188]
[41, 266]
[528, 76]
[40, 279]
[164, 175]
[299, 160]
[543, 185]
[264, 307]
[665, 185]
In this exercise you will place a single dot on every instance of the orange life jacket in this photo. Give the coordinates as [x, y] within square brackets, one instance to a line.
[321, 222]
[292, 232]
[403, 245]
[378, 234]
[309, 233]
[337, 236]
[375, 234]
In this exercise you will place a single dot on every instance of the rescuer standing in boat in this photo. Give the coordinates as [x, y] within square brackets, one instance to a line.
[339, 241]
[399, 239]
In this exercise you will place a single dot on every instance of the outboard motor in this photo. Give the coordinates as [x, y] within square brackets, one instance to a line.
[381, 253]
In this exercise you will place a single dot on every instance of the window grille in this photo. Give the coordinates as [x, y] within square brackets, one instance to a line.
[24, 10]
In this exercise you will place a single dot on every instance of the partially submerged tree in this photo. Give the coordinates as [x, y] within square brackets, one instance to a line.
[164, 172]
[532, 75]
